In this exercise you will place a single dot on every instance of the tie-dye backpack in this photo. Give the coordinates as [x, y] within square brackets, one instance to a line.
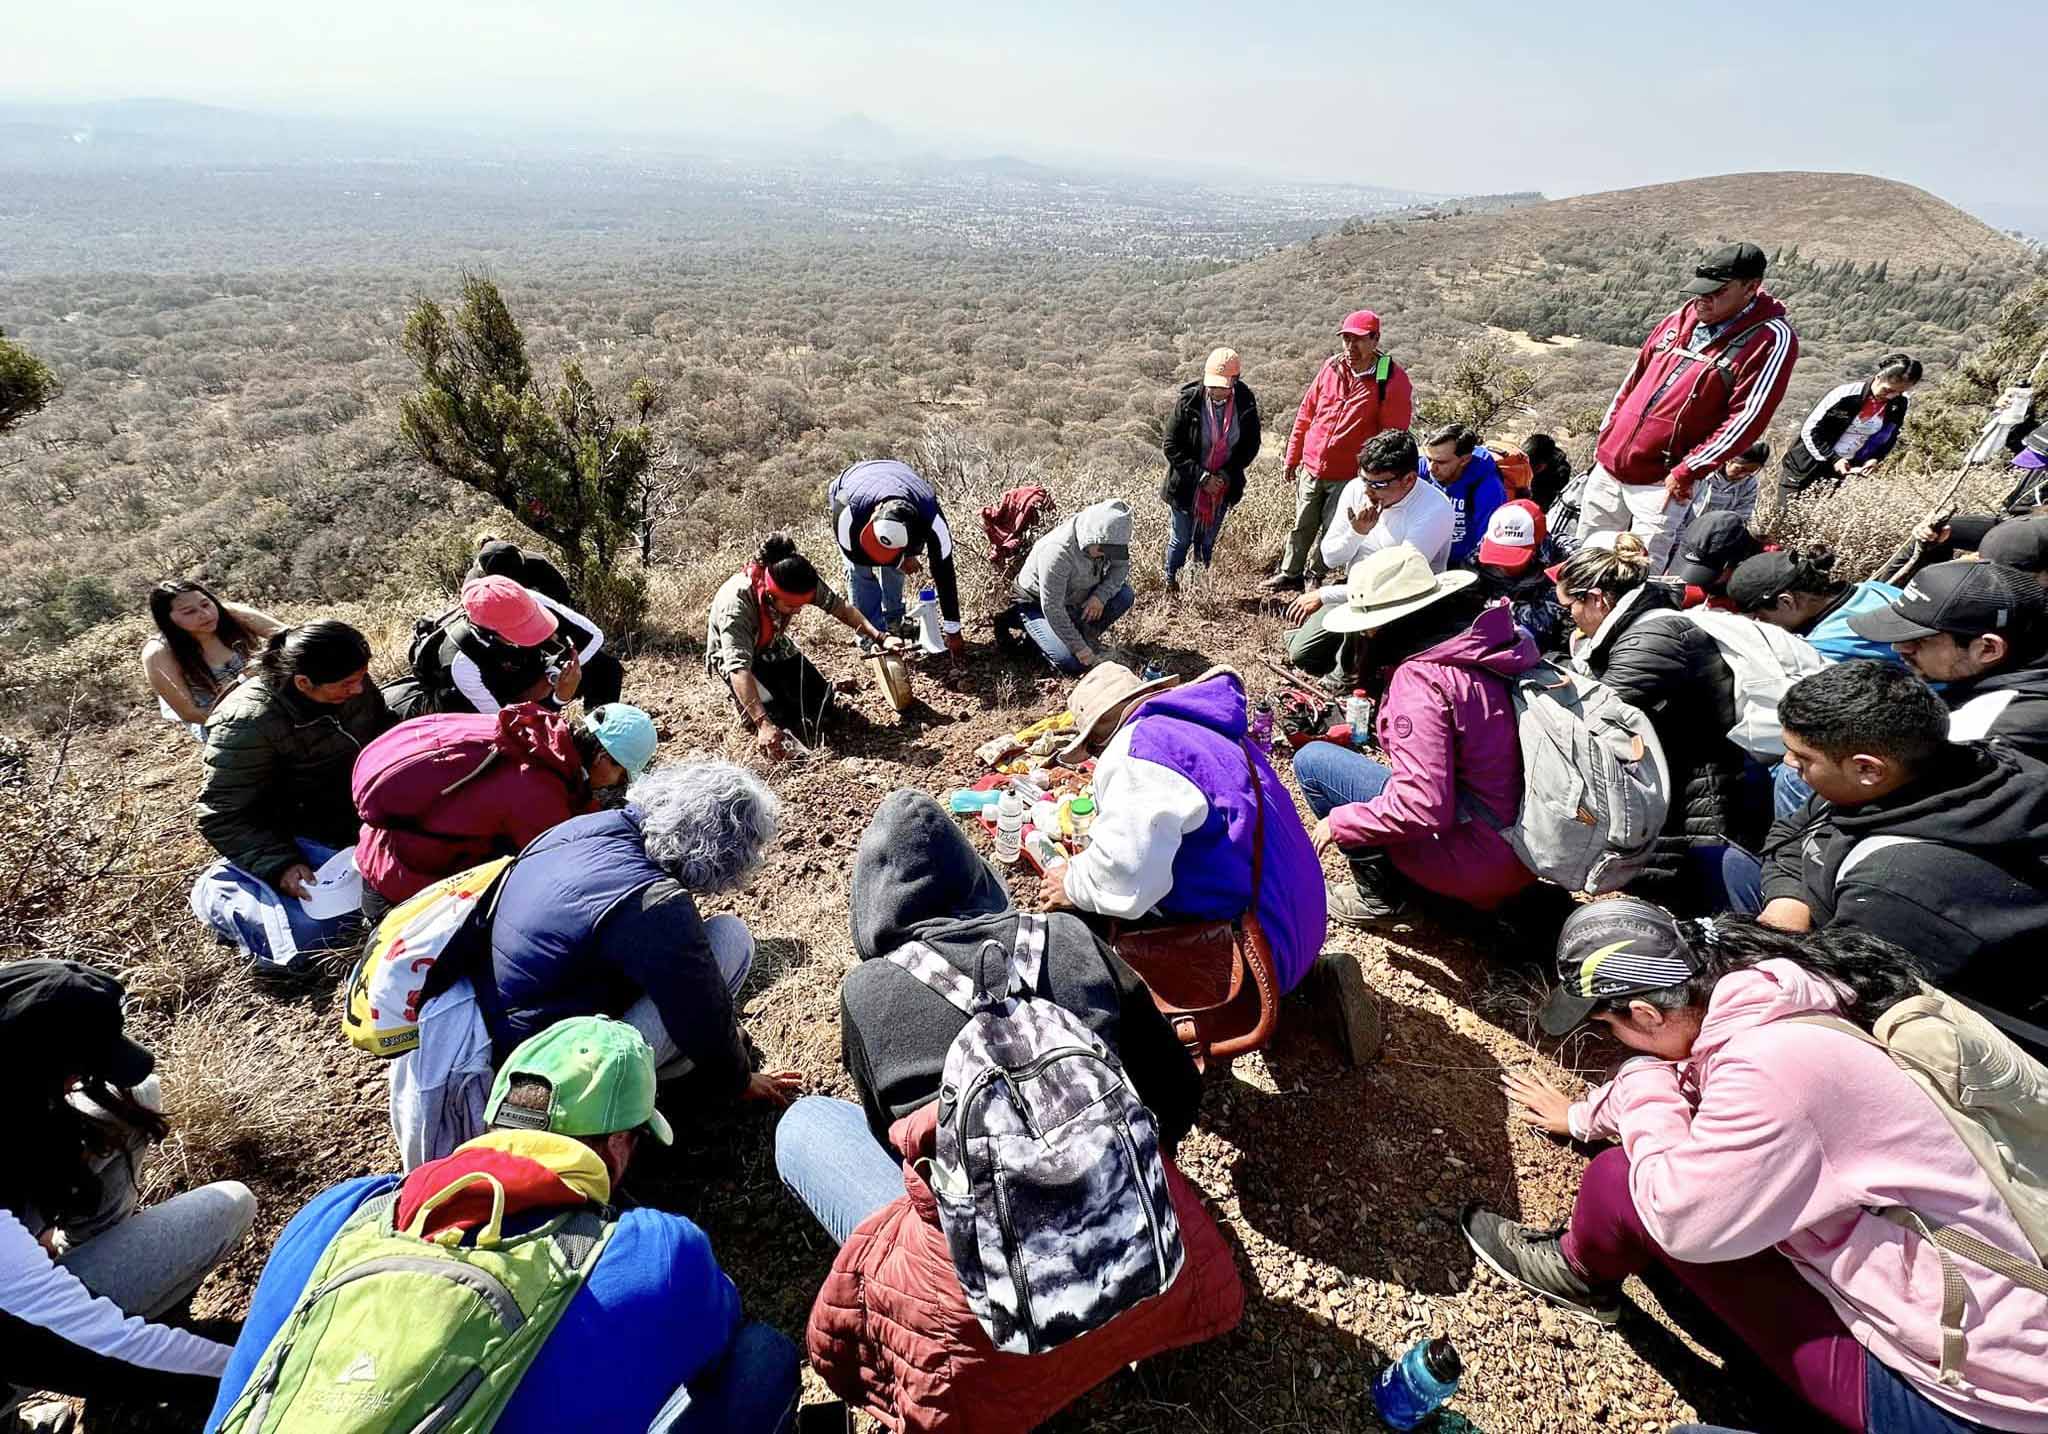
[1047, 1172]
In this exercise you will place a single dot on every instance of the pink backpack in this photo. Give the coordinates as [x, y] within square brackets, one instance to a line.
[400, 776]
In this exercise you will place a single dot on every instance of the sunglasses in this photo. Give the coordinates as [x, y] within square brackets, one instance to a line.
[1380, 485]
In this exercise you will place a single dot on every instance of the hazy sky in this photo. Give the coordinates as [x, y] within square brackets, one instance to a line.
[1451, 95]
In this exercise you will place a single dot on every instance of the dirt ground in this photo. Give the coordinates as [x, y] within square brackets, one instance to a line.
[1338, 1189]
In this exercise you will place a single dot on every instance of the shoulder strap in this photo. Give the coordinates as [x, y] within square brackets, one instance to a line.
[1382, 371]
[1027, 954]
[1258, 829]
[930, 969]
[1869, 847]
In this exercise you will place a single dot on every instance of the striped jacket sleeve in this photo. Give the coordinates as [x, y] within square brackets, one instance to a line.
[1760, 385]
[1809, 431]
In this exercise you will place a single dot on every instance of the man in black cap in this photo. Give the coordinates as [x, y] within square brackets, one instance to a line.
[1704, 387]
[1706, 557]
[1981, 630]
[1938, 846]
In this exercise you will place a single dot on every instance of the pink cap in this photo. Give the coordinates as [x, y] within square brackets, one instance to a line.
[1361, 321]
[503, 607]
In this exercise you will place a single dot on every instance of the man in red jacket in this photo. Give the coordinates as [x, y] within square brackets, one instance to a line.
[1355, 395]
[1704, 386]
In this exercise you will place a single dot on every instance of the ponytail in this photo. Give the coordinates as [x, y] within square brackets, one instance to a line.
[789, 569]
[321, 652]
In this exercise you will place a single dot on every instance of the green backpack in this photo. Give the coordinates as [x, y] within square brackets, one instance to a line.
[396, 1332]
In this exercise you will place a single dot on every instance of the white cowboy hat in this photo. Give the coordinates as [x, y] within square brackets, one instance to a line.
[1388, 585]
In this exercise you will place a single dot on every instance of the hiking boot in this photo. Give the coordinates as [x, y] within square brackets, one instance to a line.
[1534, 1259]
[1340, 992]
[1281, 583]
[1374, 894]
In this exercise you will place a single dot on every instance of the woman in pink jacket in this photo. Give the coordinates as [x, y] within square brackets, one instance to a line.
[1753, 1149]
[1440, 668]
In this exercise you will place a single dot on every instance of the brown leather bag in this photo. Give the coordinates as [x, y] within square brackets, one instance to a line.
[1214, 981]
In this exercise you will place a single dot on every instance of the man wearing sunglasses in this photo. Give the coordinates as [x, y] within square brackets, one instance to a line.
[1704, 387]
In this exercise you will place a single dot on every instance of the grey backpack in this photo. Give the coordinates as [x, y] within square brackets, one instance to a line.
[1047, 1172]
[1595, 785]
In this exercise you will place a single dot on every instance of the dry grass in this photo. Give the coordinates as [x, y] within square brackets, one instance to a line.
[1865, 521]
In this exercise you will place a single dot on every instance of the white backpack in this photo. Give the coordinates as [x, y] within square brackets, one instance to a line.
[1766, 662]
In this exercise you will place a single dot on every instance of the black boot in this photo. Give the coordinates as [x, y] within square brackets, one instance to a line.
[1375, 893]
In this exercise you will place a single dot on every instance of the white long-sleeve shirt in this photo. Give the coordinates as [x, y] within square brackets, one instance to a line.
[36, 1290]
[1424, 520]
[1145, 809]
[469, 678]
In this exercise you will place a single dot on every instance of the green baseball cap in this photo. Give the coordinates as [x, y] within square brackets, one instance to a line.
[601, 1075]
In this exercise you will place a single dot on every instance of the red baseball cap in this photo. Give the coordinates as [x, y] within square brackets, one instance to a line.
[1513, 534]
[1361, 321]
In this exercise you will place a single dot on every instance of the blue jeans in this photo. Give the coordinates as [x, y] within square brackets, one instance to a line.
[1188, 536]
[1332, 776]
[828, 1158]
[878, 593]
[752, 1391]
[1723, 878]
[270, 927]
[1788, 792]
[1048, 641]
[1890, 1406]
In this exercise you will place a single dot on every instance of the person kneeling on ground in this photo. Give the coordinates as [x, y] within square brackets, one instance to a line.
[201, 648]
[883, 516]
[1509, 564]
[780, 695]
[1440, 668]
[1178, 816]
[441, 793]
[85, 1279]
[599, 917]
[1936, 845]
[275, 800]
[604, 676]
[1754, 1149]
[1075, 583]
[506, 644]
[917, 878]
[651, 1337]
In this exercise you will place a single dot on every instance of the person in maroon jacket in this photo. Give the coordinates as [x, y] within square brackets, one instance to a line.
[1704, 387]
[1356, 395]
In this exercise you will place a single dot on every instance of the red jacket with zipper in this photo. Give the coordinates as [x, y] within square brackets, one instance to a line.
[1680, 416]
[1341, 412]
[891, 1331]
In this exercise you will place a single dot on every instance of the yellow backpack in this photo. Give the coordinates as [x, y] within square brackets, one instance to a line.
[420, 948]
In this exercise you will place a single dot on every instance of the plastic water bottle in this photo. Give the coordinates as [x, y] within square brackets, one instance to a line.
[1358, 712]
[929, 635]
[1418, 1384]
[1262, 725]
[1009, 828]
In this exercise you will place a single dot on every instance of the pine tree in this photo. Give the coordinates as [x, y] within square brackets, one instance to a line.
[25, 384]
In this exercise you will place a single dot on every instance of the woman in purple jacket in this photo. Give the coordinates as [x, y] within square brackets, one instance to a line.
[1439, 666]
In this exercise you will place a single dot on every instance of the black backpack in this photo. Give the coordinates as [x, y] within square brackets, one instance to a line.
[437, 641]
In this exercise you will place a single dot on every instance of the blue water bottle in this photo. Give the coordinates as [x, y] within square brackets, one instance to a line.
[1418, 1384]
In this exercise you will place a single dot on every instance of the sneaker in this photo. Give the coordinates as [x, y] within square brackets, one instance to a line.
[1534, 1259]
[1351, 907]
[1281, 583]
[1341, 993]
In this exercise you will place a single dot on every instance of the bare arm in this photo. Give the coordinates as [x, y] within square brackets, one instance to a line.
[168, 681]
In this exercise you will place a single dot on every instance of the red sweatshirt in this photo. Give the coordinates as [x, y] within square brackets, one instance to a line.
[1341, 413]
[1682, 416]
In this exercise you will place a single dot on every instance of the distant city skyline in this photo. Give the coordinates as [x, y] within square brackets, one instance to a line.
[1469, 96]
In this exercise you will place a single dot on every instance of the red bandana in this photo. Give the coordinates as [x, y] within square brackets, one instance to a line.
[759, 579]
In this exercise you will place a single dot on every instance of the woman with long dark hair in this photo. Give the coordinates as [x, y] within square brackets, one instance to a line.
[201, 649]
[1440, 669]
[83, 1275]
[1755, 1151]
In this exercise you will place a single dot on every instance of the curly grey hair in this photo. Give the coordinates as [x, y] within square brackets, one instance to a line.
[706, 822]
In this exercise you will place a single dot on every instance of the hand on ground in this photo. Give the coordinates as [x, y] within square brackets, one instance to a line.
[777, 1088]
[1537, 1101]
[772, 741]
[956, 646]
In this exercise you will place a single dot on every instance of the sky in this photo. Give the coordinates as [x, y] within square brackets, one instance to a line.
[1454, 96]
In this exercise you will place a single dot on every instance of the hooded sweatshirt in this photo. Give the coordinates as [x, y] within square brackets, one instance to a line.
[1777, 1134]
[1961, 880]
[1058, 576]
[1177, 820]
[1447, 727]
[1474, 494]
[916, 878]
[2011, 705]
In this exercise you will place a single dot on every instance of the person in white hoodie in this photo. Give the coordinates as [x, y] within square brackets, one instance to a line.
[1755, 1152]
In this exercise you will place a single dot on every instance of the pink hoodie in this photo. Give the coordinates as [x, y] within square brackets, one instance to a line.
[1790, 1132]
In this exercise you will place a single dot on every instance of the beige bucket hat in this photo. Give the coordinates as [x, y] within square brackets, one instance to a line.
[1388, 585]
[1100, 700]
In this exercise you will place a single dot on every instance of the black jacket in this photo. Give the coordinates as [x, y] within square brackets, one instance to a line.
[916, 876]
[1660, 661]
[1967, 893]
[1183, 446]
[2011, 706]
[1811, 455]
[1533, 595]
[529, 569]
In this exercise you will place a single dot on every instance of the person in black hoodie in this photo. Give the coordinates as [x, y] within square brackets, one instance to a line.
[1211, 439]
[916, 877]
[1940, 847]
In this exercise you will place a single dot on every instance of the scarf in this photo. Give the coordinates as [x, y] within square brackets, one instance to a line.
[762, 583]
[1219, 434]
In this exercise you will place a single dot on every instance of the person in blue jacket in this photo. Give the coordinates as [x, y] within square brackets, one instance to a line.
[1796, 589]
[884, 516]
[654, 1340]
[1456, 462]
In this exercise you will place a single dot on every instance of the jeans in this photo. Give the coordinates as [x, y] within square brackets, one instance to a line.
[1332, 776]
[753, 1391]
[828, 1158]
[1056, 652]
[1788, 792]
[269, 926]
[878, 593]
[732, 947]
[1722, 878]
[1313, 499]
[1187, 536]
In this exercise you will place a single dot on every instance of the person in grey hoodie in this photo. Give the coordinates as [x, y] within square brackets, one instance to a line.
[1076, 582]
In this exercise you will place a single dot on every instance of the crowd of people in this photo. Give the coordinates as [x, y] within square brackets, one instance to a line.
[1846, 841]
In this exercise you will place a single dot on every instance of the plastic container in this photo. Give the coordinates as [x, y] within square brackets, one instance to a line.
[1042, 849]
[1009, 828]
[1358, 716]
[1418, 1384]
[1080, 815]
[1045, 817]
[1262, 724]
[930, 635]
[964, 801]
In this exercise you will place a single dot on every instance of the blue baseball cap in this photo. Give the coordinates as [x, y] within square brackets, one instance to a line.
[626, 733]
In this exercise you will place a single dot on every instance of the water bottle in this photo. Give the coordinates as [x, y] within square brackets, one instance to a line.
[1418, 1384]
[1009, 828]
[1358, 712]
[1262, 725]
[929, 636]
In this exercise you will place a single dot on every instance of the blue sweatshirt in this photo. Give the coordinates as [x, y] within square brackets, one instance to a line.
[1476, 493]
[655, 1314]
